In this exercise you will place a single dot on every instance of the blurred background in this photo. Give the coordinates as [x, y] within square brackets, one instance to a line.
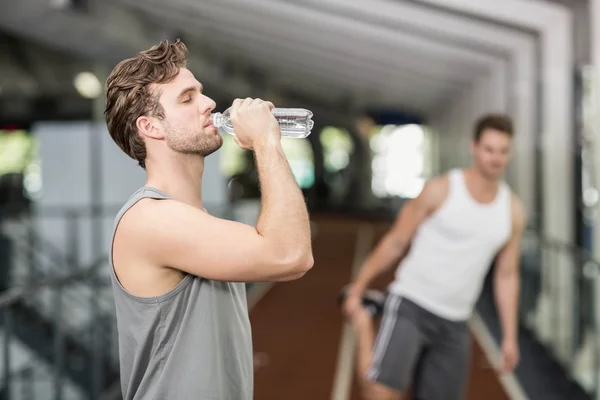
[395, 87]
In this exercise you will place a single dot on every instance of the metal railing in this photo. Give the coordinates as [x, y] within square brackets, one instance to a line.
[560, 305]
[58, 324]
[57, 315]
[76, 356]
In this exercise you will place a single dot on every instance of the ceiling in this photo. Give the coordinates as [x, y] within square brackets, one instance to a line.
[338, 57]
[411, 56]
[29, 69]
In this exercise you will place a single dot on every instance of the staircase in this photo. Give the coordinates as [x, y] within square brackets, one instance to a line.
[57, 328]
[70, 352]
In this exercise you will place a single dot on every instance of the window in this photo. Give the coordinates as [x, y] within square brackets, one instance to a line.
[298, 152]
[399, 160]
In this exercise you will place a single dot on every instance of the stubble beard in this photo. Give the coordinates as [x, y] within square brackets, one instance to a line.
[193, 142]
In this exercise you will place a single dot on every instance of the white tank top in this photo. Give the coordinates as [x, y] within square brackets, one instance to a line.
[452, 250]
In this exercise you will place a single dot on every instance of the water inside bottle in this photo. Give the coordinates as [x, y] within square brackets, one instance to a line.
[293, 122]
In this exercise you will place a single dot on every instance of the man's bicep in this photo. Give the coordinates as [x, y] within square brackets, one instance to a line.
[190, 240]
[518, 223]
[508, 259]
[408, 220]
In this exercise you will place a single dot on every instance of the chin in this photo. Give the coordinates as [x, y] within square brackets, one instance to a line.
[495, 175]
[212, 147]
[219, 143]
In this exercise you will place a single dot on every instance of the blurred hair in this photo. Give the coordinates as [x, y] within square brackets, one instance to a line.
[498, 122]
[129, 95]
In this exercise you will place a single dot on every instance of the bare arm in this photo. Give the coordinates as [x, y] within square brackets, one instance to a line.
[172, 234]
[506, 278]
[284, 216]
[396, 242]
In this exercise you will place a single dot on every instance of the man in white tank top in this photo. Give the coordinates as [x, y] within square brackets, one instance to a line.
[443, 244]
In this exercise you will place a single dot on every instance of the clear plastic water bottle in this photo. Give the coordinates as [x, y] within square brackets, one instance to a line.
[294, 122]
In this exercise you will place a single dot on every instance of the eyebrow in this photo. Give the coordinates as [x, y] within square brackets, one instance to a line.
[190, 89]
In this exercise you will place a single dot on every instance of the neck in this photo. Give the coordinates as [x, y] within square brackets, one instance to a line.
[481, 180]
[179, 176]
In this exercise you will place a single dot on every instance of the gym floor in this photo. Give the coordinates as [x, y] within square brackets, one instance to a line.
[303, 349]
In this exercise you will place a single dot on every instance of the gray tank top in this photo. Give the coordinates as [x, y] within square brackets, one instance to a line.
[193, 342]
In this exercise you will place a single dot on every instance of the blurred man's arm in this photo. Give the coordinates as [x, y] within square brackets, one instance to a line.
[507, 286]
[396, 242]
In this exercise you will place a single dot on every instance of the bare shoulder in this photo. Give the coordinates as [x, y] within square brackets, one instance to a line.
[438, 185]
[149, 213]
[153, 222]
[140, 220]
[435, 191]
[138, 216]
[418, 209]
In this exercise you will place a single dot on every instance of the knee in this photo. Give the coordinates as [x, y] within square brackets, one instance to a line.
[371, 390]
[366, 387]
[368, 391]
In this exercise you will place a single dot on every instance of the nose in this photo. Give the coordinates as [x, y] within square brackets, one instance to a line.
[208, 105]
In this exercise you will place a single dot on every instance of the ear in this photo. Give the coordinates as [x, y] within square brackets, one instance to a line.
[149, 127]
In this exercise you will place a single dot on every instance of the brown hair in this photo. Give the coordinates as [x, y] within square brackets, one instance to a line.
[129, 96]
[498, 122]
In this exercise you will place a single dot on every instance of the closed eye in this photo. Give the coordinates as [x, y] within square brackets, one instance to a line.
[188, 100]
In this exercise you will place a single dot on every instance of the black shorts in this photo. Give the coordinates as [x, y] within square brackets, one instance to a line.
[417, 349]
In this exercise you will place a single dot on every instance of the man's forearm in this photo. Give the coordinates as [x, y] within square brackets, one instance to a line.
[506, 291]
[284, 217]
[381, 259]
